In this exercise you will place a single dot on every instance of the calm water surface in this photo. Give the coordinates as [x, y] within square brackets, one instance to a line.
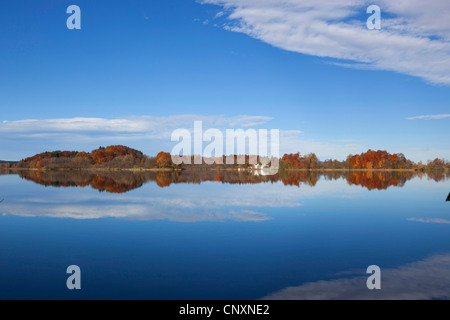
[215, 240]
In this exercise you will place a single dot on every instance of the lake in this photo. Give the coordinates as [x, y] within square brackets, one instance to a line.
[224, 235]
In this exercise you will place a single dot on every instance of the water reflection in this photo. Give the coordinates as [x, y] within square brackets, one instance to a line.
[205, 236]
[181, 203]
[422, 280]
[124, 181]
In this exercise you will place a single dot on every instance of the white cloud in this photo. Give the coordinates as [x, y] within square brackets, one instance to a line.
[157, 126]
[431, 117]
[219, 14]
[248, 121]
[147, 133]
[74, 125]
[414, 38]
[430, 220]
[152, 134]
[79, 133]
[142, 128]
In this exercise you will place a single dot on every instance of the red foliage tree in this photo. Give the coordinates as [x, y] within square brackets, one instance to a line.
[378, 160]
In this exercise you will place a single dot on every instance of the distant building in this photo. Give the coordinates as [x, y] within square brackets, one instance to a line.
[259, 166]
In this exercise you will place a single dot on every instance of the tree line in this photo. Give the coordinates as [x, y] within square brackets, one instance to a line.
[370, 160]
[115, 157]
[122, 157]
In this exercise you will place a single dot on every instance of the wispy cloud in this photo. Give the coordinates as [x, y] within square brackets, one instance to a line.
[430, 220]
[152, 134]
[346, 140]
[430, 117]
[157, 127]
[82, 132]
[414, 38]
[147, 133]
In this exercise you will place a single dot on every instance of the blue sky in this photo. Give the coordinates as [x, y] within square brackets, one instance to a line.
[137, 70]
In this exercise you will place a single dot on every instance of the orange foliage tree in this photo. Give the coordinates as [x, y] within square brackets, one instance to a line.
[164, 160]
[295, 161]
[379, 160]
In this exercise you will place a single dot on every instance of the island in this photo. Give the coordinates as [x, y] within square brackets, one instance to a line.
[119, 157]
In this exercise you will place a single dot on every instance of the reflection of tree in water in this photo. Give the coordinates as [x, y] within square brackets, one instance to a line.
[438, 175]
[113, 182]
[123, 181]
[296, 177]
[380, 180]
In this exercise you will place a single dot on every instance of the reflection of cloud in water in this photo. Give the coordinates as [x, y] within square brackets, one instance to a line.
[430, 220]
[205, 202]
[135, 212]
[183, 204]
[422, 280]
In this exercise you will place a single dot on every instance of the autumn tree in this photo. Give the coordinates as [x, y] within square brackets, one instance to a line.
[164, 160]
[437, 164]
[379, 160]
[296, 161]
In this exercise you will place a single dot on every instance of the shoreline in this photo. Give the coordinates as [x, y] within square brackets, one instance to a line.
[213, 169]
[350, 169]
[98, 169]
